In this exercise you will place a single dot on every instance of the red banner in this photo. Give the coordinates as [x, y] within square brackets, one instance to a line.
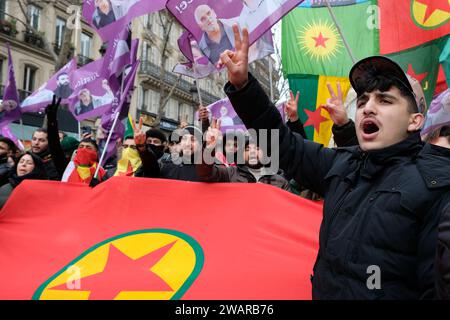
[133, 238]
[408, 23]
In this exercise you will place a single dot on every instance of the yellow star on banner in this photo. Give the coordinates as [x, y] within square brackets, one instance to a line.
[320, 41]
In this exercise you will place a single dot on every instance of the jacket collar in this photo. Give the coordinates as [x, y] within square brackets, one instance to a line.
[434, 165]
[372, 162]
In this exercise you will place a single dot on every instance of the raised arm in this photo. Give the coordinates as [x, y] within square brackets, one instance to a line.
[54, 144]
[306, 161]
[150, 165]
[210, 172]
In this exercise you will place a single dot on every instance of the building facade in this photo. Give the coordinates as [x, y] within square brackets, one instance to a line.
[34, 65]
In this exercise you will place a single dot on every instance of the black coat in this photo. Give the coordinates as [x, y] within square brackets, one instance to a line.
[378, 210]
[434, 163]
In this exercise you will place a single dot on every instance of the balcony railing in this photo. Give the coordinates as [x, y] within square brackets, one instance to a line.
[34, 39]
[170, 78]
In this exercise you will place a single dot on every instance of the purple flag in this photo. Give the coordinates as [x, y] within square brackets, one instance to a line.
[9, 110]
[6, 132]
[94, 91]
[120, 106]
[438, 114]
[59, 85]
[199, 65]
[210, 21]
[120, 54]
[109, 17]
[229, 120]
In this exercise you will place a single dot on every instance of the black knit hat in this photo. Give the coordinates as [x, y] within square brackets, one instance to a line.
[156, 133]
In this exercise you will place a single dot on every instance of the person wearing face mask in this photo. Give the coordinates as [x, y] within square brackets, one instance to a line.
[84, 164]
[29, 166]
[129, 161]
[148, 151]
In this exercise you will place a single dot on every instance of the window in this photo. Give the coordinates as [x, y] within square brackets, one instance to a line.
[59, 32]
[155, 56]
[143, 99]
[154, 102]
[172, 109]
[34, 13]
[145, 53]
[2, 9]
[29, 78]
[86, 44]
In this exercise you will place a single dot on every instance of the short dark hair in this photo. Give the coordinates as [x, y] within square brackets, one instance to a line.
[128, 137]
[11, 145]
[44, 130]
[91, 141]
[384, 82]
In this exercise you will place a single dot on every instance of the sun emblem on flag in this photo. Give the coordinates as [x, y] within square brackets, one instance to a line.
[430, 14]
[320, 40]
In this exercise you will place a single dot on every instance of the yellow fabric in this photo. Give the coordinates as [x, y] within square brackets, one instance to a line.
[324, 135]
[130, 157]
[84, 172]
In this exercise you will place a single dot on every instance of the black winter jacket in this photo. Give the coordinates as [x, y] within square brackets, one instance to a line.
[378, 211]
[240, 173]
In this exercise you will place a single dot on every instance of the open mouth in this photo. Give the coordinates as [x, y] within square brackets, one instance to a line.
[370, 127]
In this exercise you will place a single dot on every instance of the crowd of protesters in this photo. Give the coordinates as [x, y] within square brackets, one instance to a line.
[386, 187]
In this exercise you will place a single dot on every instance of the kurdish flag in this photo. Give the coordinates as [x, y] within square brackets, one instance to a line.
[314, 93]
[122, 240]
[313, 48]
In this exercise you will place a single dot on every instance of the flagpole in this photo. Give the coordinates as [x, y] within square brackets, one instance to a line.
[270, 78]
[116, 117]
[196, 83]
[77, 26]
[352, 57]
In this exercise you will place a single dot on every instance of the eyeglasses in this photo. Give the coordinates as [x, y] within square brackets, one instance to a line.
[129, 146]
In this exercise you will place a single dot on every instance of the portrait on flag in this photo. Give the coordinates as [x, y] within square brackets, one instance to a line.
[94, 91]
[199, 65]
[58, 85]
[109, 17]
[210, 22]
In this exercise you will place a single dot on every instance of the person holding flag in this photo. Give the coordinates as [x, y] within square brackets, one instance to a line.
[380, 217]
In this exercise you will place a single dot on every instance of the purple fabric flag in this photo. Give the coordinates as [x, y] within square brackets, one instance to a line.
[59, 85]
[9, 107]
[6, 132]
[120, 106]
[438, 114]
[120, 54]
[210, 21]
[229, 120]
[109, 17]
[200, 67]
[94, 91]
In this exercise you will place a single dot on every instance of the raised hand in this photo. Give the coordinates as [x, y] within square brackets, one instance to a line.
[237, 61]
[52, 108]
[183, 121]
[139, 135]
[335, 106]
[291, 107]
[213, 135]
[203, 113]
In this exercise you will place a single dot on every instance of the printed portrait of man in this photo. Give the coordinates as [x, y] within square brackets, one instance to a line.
[217, 34]
[63, 89]
[88, 102]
